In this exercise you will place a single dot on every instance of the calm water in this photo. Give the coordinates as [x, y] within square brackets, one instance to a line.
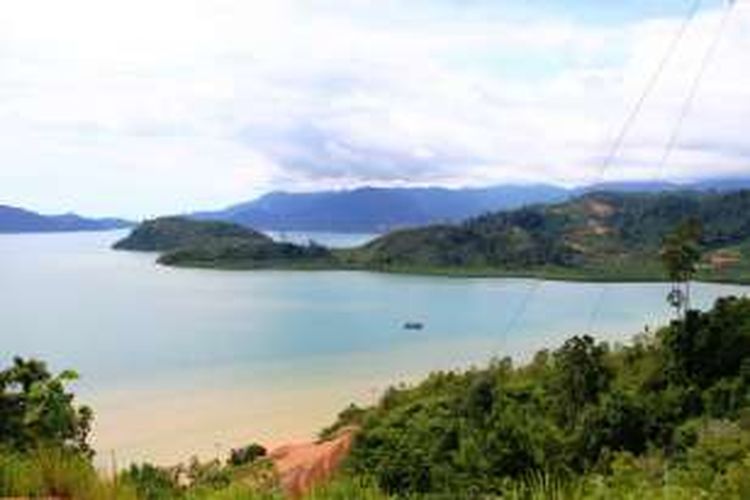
[177, 362]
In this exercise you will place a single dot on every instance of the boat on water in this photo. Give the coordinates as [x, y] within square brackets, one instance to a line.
[413, 325]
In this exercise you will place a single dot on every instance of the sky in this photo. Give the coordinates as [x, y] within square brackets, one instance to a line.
[138, 108]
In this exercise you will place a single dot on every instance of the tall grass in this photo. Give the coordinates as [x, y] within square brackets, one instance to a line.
[347, 488]
[51, 472]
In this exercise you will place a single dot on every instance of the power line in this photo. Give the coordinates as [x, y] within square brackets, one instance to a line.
[694, 87]
[599, 300]
[521, 309]
[630, 120]
[684, 111]
[648, 89]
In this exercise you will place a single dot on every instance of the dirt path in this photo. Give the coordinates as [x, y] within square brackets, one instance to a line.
[303, 466]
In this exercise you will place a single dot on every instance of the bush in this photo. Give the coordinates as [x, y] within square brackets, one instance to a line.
[609, 421]
[246, 455]
[36, 410]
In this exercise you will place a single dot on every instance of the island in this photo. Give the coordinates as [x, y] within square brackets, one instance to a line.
[603, 236]
[193, 243]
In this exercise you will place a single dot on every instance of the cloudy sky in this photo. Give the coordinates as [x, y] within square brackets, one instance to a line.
[145, 107]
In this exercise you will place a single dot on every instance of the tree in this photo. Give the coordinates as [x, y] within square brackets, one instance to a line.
[680, 254]
[36, 410]
[580, 376]
[706, 347]
[246, 455]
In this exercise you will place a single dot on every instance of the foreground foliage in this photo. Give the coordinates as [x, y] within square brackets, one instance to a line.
[666, 416]
[668, 413]
[36, 409]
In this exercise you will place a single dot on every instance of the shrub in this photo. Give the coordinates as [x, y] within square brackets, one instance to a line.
[246, 455]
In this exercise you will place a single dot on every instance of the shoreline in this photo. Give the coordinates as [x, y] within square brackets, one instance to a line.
[554, 274]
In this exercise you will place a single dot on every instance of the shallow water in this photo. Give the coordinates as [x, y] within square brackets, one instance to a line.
[177, 362]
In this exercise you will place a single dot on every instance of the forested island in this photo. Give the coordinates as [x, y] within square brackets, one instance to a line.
[187, 242]
[598, 236]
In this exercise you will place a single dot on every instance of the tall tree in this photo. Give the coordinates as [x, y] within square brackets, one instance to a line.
[680, 254]
[37, 410]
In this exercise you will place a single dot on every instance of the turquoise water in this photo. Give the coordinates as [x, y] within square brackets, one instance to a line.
[177, 362]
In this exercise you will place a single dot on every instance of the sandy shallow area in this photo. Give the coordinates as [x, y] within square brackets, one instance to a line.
[170, 420]
[170, 428]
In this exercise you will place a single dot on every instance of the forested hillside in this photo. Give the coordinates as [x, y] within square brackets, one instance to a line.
[189, 242]
[596, 235]
[667, 416]
[599, 236]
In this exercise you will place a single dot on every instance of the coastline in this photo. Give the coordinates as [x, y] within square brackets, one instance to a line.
[544, 274]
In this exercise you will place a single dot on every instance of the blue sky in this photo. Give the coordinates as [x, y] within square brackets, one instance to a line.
[146, 107]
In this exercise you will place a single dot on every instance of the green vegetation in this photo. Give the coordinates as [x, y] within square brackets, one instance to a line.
[44, 451]
[36, 410]
[192, 243]
[44, 436]
[166, 234]
[603, 236]
[246, 455]
[668, 414]
[597, 237]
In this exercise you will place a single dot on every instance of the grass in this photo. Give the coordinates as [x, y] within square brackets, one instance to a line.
[53, 472]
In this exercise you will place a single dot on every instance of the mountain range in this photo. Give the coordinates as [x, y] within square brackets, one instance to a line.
[378, 210]
[18, 220]
[367, 209]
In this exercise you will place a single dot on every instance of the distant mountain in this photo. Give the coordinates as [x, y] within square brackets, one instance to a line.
[383, 209]
[634, 187]
[18, 220]
[380, 209]
[718, 184]
[723, 184]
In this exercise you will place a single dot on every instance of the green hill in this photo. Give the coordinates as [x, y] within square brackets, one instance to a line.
[600, 235]
[171, 233]
[192, 243]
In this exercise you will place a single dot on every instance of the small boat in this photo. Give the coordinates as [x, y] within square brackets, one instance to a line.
[413, 325]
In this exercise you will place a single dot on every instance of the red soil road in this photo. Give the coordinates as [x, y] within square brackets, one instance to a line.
[304, 466]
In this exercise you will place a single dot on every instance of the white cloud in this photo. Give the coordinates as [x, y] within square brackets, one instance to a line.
[142, 107]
